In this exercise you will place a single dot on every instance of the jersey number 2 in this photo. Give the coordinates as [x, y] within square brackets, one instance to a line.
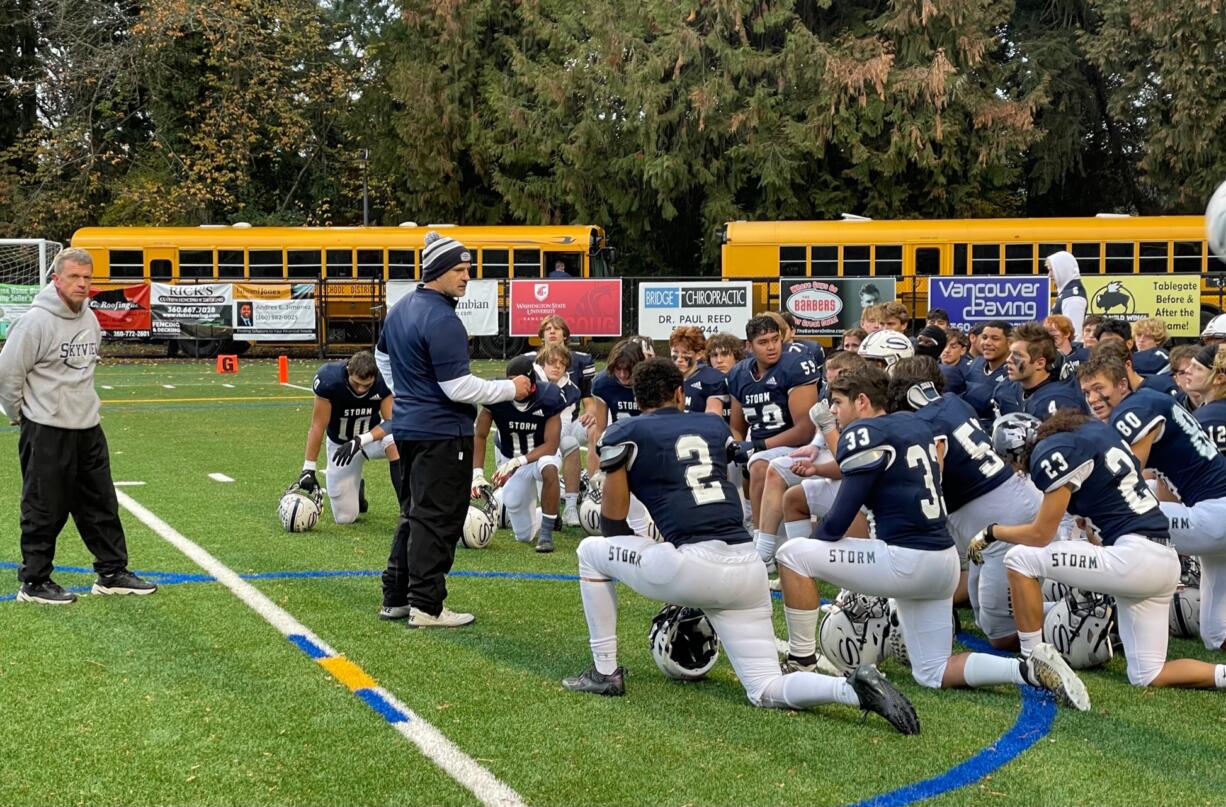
[693, 449]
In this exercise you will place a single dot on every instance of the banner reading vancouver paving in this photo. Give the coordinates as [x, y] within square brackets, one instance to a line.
[830, 306]
[713, 307]
[972, 300]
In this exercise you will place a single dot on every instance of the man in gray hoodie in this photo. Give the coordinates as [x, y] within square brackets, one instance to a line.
[47, 388]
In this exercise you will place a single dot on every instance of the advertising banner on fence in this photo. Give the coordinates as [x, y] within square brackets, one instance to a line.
[971, 300]
[478, 308]
[122, 310]
[202, 310]
[830, 306]
[714, 307]
[590, 307]
[278, 312]
[1173, 298]
[14, 301]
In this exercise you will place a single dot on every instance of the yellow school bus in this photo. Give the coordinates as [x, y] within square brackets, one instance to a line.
[913, 250]
[348, 264]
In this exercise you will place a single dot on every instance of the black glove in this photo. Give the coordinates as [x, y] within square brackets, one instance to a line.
[307, 481]
[345, 454]
[740, 452]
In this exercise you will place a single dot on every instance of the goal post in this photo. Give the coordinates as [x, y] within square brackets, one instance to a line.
[27, 261]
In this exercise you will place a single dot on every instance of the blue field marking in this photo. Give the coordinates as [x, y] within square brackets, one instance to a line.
[1033, 723]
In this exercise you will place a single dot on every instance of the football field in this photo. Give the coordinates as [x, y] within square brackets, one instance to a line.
[259, 673]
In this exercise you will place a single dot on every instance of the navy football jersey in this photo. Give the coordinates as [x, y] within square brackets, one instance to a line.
[1162, 382]
[1075, 357]
[571, 395]
[352, 414]
[521, 424]
[582, 371]
[679, 471]
[1073, 288]
[898, 455]
[972, 468]
[1048, 397]
[765, 400]
[981, 383]
[704, 383]
[955, 376]
[812, 350]
[1106, 481]
[1151, 362]
[1182, 454]
[1212, 418]
[619, 399]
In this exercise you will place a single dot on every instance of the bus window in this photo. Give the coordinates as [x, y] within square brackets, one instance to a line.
[303, 264]
[1019, 259]
[266, 264]
[370, 263]
[887, 260]
[160, 269]
[127, 263]
[1046, 251]
[1189, 256]
[528, 263]
[496, 263]
[985, 259]
[1087, 256]
[959, 259]
[196, 263]
[400, 264]
[1119, 256]
[792, 261]
[824, 261]
[927, 261]
[856, 262]
[1154, 255]
[230, 264]
[340, 263]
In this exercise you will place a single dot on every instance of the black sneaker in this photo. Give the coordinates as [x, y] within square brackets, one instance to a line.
[611, 685]
[122, 583]
[363, 506]
[879, 695]
[544, 545]
[47, 592]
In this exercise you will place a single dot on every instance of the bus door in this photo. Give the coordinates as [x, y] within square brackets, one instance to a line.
[922, 261]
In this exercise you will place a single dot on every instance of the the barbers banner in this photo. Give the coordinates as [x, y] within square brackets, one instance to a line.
[971, 300]
[713, 307]
[277, 312]
[197, 311]
[830, 306]
[14, 301]
[478, 308]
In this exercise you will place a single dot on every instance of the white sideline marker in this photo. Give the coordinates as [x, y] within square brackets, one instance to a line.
[465, 770]
[216, 477]
[168, 386]
[128, 484]
[104, 386]
[230, 386]
[296, 386]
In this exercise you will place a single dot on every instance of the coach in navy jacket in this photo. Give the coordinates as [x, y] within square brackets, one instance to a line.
[423, 354]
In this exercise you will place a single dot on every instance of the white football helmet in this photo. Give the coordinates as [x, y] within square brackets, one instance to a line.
[683, 643]
[895, 642]
[887, 346]
[1189, 571]
[1013, 434]
[589, 511]
[855, 629]
[1054, 590]
[1079, 626]
[478, 528]
[1215, 222]
[499, 510]
[299, 509]
[1185, 613]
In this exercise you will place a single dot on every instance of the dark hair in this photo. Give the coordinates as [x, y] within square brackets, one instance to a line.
[759, 325]
[627, 353]
[789, 318]
[1113, 326]
[906, 374]
[1182, 353]
[977, 330]
[1090, 319]
[1065, 420]
[1106, 362]
[655, 382]
[937, 314]
[870, 288]
[362, 365]
[999, 324]
[553, 319]
[1113, 349]
[846, 361]
[726, 343]
[1039, 343]
[954, 335]
[870, 382]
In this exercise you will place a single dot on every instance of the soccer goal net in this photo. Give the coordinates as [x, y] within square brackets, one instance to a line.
[26, 261]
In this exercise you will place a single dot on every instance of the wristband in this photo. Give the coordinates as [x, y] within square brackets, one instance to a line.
[365, 439]
[759, 444]
[478, 473]
[989, 536]
[309, 465]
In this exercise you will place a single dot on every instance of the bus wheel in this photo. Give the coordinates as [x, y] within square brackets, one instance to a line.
[199, 348]
[501, 345]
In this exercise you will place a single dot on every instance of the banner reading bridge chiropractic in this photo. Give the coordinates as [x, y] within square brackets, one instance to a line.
[713, 307]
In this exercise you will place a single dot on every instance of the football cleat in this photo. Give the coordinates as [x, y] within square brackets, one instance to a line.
[814, 664]
[1046, 668]
[611, 685]
[878, 695]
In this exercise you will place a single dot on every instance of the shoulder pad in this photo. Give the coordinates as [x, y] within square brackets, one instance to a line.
[870, 458]
[616, 456]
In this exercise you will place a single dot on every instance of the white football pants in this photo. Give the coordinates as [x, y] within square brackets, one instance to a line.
[1201, 530]
[521, 493]
[343, 482]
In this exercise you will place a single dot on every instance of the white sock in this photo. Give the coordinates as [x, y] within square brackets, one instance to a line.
[797, 529]
[765, 544]
[804, 689]
[571, 499]
[802, 631]
[1219, 676]
[1029, 639]
[984, 669]
[600, 609]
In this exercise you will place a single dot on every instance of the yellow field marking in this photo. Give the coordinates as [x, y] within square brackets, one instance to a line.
[210, 400]
[348, 673]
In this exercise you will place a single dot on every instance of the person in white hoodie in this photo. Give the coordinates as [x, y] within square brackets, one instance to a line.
[47, 388]
[1070, 294]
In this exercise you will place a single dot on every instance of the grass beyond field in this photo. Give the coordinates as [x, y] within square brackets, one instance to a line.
[190, 697]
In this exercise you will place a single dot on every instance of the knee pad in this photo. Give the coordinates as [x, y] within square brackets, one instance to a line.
[552, 461]
[590, 550]
[345, 514]
[569, 445]
[784, 553]
[1024, 560]
[929, 675]
[387, 441]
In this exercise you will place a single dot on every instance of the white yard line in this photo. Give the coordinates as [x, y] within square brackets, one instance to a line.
[218, 477]
[128, 484]
[295, 386]
[430, 741]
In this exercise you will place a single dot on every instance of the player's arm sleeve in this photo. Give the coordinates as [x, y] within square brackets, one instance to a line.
[1155, 423]
[1075, 309]
[449, 355]
[853, 492]
[586, 374]
[1052, 471]
[17, 358]
[384, 363]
